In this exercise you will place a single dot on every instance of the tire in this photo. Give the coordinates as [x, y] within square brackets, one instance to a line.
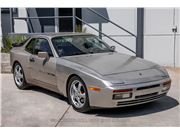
[19, 77]
[78, 95]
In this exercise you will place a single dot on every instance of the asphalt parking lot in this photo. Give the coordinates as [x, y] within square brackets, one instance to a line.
[39, 107]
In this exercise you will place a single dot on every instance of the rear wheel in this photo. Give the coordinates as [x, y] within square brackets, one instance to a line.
[77, 94]
[19, 77]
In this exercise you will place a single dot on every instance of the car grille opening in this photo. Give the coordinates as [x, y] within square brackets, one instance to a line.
[146, 95]
[148, 87]
[140, 100]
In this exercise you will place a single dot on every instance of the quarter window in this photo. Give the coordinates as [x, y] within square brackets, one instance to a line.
[29, 47]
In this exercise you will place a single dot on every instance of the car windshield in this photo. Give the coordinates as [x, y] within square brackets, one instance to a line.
[77, 45]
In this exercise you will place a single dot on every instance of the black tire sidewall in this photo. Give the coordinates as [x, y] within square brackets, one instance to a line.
[86, 106]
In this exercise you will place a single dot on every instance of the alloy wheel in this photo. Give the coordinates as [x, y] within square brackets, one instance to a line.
[77, 94]
[18, 75]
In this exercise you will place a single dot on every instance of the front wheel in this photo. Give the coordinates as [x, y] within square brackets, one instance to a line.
[19, 77]
[78, 95]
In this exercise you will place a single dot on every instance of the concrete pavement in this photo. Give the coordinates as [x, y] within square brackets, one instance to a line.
[32, 107]
[40, 107]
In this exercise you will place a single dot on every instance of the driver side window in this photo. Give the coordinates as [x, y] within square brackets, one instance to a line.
[38, 45]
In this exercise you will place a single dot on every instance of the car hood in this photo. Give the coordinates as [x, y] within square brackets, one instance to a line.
[111, 63]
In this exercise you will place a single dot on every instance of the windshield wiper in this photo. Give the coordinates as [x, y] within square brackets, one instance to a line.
[90, 52]
[78, 53]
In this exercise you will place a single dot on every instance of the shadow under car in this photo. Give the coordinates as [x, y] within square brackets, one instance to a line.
[165, 103]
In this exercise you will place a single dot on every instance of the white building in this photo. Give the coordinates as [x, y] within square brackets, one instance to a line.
[161, 40]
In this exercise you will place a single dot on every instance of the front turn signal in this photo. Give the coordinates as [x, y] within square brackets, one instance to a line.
[95, 89]
[167, 83]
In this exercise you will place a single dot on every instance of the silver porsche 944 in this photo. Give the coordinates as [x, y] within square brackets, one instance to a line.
[90, 73]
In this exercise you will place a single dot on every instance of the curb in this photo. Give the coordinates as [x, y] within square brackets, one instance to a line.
[5, 63]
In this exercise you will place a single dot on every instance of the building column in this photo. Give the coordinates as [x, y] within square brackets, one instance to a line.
[11, 20]
[74, 19]
[1, 45]
[56, 13]
[140, 33]
[100, 29]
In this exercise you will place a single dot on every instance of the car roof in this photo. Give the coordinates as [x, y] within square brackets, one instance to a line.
[51, 35]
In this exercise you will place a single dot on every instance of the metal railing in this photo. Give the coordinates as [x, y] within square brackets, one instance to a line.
[115, 24]
[42, 17]
[74, 18]
[106, 35]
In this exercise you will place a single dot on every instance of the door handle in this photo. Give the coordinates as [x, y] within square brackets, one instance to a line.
[32, 60]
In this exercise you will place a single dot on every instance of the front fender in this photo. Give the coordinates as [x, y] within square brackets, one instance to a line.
[65, 69]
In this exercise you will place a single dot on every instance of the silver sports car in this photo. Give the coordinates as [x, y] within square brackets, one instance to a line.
[90, 73]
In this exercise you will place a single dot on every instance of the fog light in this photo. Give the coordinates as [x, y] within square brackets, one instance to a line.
[166, 86]
[122, 96]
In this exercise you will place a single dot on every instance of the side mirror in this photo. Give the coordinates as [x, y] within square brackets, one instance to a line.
[43, 55]
[113, 48]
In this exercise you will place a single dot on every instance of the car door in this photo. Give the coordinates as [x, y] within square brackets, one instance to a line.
[43, 71]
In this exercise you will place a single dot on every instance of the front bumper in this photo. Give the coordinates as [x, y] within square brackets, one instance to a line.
[141, 93]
